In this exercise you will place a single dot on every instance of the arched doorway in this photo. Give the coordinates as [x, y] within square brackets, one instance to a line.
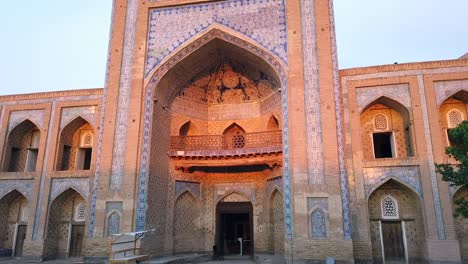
[14, 212]
[397, 226]
[461, 224]
[276, 227]
[234, 226]
[65, 226]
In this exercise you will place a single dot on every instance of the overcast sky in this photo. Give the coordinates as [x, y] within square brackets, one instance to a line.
[61, 45]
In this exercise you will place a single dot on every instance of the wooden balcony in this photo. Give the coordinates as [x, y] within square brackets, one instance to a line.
[241, 144]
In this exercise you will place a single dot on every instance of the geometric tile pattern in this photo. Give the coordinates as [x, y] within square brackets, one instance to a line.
[22, 186]
[245, 188]
[262, 21]
[35, 116]
[397, 92]
[312, 95]
[276, 182]
[375, 177]
[430, 157]
[70, 113]
[123, 101]
[339, 131]
[445, 89]
[193, 187]
[58, 186]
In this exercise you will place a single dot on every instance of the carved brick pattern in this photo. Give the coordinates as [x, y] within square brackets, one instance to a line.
[397, 92]
[121, 123]
[339, 131]
[445, 89]
[277, 222]
[262, 21]
[16, 117]
[312, 95]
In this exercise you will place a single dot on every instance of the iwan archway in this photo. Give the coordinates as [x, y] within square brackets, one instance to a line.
[228, 88]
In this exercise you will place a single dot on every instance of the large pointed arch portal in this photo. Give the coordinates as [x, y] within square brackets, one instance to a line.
[167, 81]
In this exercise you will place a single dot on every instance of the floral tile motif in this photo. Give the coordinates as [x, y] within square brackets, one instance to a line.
[263, 21]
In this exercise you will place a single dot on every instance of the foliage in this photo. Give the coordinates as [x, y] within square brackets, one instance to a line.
[457, 174]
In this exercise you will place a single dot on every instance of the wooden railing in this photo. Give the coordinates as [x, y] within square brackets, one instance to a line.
[221, 142]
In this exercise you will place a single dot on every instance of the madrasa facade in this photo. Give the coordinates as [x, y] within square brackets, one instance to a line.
[230, 120]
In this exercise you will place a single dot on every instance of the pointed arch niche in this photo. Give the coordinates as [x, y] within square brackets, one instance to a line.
[452, 112]
[396, 223]
[75, 149]
[22, 148]
[14, 217]
[386, 130]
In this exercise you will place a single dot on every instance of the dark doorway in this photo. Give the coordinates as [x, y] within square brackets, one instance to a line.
[383, 145]
[394, 248]
[76, 240]
[233, 221]
[20, 237]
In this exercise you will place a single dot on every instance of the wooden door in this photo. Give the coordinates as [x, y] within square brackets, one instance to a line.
[20, 237]
[394, 248]
[76, 240]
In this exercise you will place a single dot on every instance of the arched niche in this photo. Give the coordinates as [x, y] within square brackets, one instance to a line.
[452, 112]
[75, 149]
[273, 124]
[395, 212]
[14, 216]
[386, 130]
[188, 129]
[22, 148]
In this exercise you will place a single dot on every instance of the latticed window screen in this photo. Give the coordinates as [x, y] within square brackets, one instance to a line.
[80, 213]
[238, 140]
[389, 208]
[455, 117]
[380, 122]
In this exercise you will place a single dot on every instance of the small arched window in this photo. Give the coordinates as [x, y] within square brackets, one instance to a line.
[80, 212]
[389, 207]
[380, 122]
[454, 118]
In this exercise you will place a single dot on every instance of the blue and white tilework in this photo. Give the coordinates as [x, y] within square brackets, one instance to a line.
[313, 113]
[22, 186]
[375, 177]
[339, 131]
[92, 209]
[121, 123]
[193, 187]
[263, 21]
[445, 89]
[317, 208]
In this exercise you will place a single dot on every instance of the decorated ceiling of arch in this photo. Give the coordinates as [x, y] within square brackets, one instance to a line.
[227, 83]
